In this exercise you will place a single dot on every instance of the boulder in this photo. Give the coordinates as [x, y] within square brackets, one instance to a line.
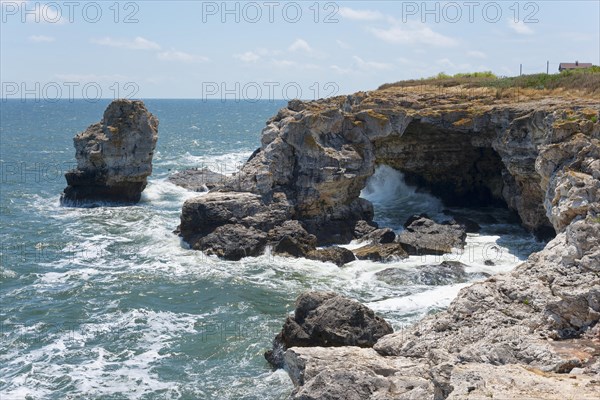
[197, 180]
[445, 273]
[381, 252]
[233, 242]
[203, 214]
[333, 254]
[424, 236]
[362, 228]
[114, 156]
[291, 239]
[379, 236]
[327, 319]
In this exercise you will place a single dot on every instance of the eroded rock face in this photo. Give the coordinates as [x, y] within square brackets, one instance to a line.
[328, 319]
[114, 156]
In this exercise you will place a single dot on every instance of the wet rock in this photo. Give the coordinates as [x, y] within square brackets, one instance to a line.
[424, 236]
[363, 228]
[114, 156]
[233, 242]
[334, 254]
[327, 319]
[379, 236]
[445, 273]
[381, 252]
[292, 239]
[203, 214]
[469, 225]
[197, 180]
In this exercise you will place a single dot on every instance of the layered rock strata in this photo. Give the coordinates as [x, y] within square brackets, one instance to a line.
[114, 156]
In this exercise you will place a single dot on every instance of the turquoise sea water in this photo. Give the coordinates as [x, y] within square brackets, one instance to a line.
[106, 303]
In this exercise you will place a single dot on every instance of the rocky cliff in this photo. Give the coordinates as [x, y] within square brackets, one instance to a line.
[477, 150]
[515, 335]
[114, 156]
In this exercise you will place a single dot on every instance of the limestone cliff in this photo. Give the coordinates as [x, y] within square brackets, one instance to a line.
[114, 156]
[510, 336]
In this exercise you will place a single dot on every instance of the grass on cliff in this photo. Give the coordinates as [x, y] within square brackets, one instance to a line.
[582, 80]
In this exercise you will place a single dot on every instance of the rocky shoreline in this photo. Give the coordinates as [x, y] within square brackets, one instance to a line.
[531, 333]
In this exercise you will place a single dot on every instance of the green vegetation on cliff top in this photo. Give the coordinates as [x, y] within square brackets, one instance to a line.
[586, 80]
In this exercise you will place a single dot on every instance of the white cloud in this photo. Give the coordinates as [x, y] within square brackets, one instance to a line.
[41, 39]
[340, 70]
[343, 44]
[360, 15]
[413, 33]
[476, 54]
[370, 65]
[300, 45]
[181, 56]
[519, 27]
[138, 43]
[247, 57]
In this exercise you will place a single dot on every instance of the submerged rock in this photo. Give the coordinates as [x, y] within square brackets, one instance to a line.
[114, 156]
[445, 273]
[327, 319]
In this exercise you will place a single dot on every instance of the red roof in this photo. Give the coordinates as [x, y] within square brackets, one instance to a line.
[574, 65]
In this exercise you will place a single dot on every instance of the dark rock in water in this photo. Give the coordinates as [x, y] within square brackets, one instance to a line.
[114, 156]
[197, 180]
[203, 214]
[424, 236]
[381, 236]
[489, 263]
[381, 252]
[445, 273]
[469, 225]
[413, 218]
[233, 242]
[334, 254]
[292, 239]
[363, 228]
[327, 319]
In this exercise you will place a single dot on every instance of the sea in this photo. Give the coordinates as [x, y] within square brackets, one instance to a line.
[108, 303]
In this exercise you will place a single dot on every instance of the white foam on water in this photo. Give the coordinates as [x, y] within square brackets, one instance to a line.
[439, 297]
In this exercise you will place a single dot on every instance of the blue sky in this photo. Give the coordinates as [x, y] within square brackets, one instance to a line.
[194, 49]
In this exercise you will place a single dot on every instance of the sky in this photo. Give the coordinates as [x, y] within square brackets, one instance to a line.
[254, 50]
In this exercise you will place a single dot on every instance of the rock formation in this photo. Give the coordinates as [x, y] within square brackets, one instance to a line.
[327, 319]
[514, 335]
[114, 156]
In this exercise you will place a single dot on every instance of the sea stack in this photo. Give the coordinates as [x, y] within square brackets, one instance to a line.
[114, 156]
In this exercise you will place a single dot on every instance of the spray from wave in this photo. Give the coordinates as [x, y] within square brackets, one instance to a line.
[394, 201]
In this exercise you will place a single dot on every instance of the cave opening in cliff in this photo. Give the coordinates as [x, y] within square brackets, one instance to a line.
[440, 168]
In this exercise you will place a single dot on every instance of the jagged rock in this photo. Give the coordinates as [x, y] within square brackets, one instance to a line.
[334, 254]
[379, 236]
[363, 228]
[197, 180]
[424, 236]
[355, 373]
[327, 319]
[469, 225]
[114, 156]
[381, 252]
[202, 215]
[292, 239]
[413, 218]
[233, 242]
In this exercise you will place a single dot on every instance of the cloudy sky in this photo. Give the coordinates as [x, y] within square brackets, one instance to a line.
[194, 49]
